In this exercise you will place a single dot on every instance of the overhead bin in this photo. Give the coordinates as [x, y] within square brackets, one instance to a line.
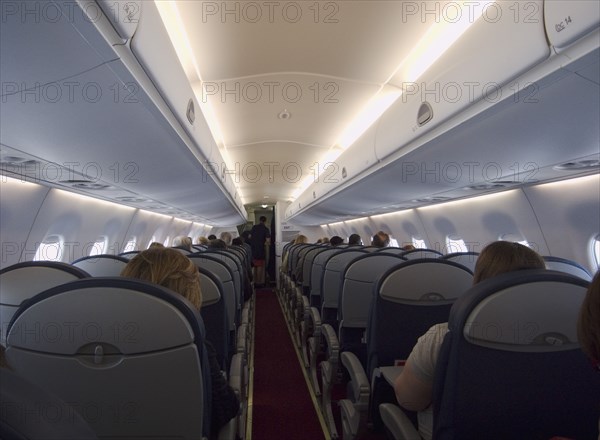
[506, 41]
[567, 21]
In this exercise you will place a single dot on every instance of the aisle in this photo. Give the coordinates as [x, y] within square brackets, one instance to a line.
[281, 404]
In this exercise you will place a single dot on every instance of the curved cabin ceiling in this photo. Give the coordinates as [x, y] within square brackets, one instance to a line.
[286, 80]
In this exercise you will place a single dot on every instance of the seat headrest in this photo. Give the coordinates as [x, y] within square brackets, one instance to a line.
[527, 310]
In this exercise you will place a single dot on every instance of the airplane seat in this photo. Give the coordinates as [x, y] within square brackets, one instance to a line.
[237, 342]
[22, 281]
[183, 250]
[567, 266]
[416, 254]
[408, 299]
[391, 250]
[467, 259]
[513, 365]
[313, 319]
[354, 300]
[129, 254]
[104, 265]
[126, 354]
[31, 413]
[214, 315]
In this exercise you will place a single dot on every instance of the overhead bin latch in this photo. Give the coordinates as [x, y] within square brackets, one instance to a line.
[425, 114]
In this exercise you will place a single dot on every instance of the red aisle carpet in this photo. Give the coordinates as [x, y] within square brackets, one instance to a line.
[281, 407]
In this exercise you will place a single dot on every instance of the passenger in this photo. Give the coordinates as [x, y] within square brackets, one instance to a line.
[183, 242]
[300, 239]
[336, 240]
[381, 239]
[588, 325]
[238, 241]
[246, 237]
[414, 386]
[408, 247]
[156, 244]
[176, 272]
[355, 240]
[211, 237]
[261, 236]
[226, 237]
[202, 240]
[217, 243]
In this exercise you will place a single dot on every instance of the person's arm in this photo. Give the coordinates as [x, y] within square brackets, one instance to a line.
[412, 393]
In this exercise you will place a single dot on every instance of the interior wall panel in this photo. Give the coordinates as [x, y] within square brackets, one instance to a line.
[19, 204]
[569, 213]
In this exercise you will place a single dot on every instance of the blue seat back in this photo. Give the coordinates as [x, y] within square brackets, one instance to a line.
[467, 259]
[130, 350]
[417, 254]
[316, 275]
[102, 265]
[511, 366]
[567, 266]
[409, 299]
[21, 281]
[332, 281]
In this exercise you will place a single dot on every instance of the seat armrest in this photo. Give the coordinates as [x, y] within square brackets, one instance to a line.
[397, 423]
[331, 339]
[359, 381]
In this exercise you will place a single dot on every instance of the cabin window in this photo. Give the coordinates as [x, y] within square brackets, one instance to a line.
[130, 246]
[596, 252]
[152, 240]
[418, 243]
[455, 245]
[51, 249]
[167, 241]
[99, 246]
[393, 242]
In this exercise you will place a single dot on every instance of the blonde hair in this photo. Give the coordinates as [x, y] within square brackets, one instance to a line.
[168, 268]
[301, 239]
[504, 256]
[202, 240]
[588, 324]
[380, 239]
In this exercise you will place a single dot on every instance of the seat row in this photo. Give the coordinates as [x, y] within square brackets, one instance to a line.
[32, 291]
[371, 307]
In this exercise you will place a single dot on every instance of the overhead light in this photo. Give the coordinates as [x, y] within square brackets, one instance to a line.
[376, 106]
[438, 38]
[264, 206]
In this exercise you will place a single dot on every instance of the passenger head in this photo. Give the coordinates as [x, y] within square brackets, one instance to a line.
[354, 240]
[202, 240]
[504, 256]
[168, 268]
[217, 244]
[237, 241]
[300, 239]
[262, 219]
[183, 242]
[211, 237]
[381, 239]
[336, 240]
[155, 244]
[408, 247]
[588, 325]
[226, 237]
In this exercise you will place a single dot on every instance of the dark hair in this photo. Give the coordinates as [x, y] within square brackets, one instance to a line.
[588, 324]
[381, 239]
[336, 240]
[354, 239]
[263, 219]
[217, 243]
[237, 241]
[211, 237]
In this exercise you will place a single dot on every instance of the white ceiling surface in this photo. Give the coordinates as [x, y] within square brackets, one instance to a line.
[337, 64]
